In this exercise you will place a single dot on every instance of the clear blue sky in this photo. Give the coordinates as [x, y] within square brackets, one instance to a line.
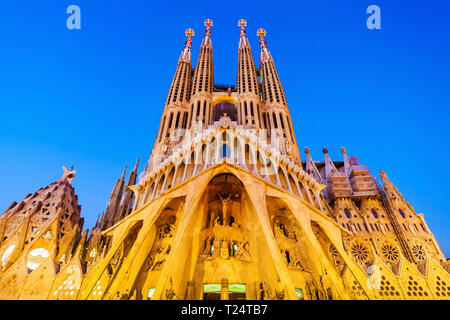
[94, 96]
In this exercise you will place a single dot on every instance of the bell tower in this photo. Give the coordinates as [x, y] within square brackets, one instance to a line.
[203, 83]
[249, 103]
[276, 111]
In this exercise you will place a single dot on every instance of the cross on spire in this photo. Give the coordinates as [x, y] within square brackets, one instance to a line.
[189, 33]
[208, 24]
[242, 23]
[261, 33]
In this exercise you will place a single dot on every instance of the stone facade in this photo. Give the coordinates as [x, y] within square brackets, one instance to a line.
[225, 209]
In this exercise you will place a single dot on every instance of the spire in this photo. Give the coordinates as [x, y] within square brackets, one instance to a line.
[179, 89]
[126, 204]
[186, 53]
[276, 113]
[68, 174]
[272, 90]
[243, 42]
[175, 113]
[265, 54]
[56, 204]
[203, 82]
[207, 39]
[114, 202]
[247, 82]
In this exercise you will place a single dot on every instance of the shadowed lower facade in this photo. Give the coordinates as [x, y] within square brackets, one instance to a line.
[225, 209]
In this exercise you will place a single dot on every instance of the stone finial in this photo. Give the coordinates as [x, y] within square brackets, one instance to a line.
[68, 174]
[306, 150]
[325, 150]
[343, 151]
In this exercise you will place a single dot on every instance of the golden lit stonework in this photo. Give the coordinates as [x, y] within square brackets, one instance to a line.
[225, 209]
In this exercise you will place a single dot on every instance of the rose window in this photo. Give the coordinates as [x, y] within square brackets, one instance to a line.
[360, 252]
[390, 252]
[419, 252]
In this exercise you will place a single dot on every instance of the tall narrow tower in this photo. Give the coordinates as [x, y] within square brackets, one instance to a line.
[276, 111]
[203, 83]
[249, 103]
[175, 113]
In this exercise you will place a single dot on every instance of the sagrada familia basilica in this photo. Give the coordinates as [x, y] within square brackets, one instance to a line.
[225, 209]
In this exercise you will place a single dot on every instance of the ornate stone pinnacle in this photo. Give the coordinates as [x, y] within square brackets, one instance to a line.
[261, 33]
[306, 150]
[325, 150]
[343, 151]
[189, 33]
[208, 23]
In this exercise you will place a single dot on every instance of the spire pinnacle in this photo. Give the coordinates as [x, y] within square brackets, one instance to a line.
[208, 24]
[186, 53]
[242, 23]
[136, 165]
[189, 33]
[68, 174]
[261, 33]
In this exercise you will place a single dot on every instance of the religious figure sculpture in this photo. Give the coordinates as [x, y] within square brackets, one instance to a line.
[224, 250]
[242, 252]
[225, 204]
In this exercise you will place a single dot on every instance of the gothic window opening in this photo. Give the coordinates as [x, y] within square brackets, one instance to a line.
[347, 213]
[374, 213]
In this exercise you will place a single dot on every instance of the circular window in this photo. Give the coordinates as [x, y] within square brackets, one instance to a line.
[390, 252]
[360, 252]
[419, 252]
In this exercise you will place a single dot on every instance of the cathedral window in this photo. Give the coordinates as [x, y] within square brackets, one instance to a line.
[402, 213]
[374, 213]
[347, 213]
[390, 253]
[419, 252]
[359, 252]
